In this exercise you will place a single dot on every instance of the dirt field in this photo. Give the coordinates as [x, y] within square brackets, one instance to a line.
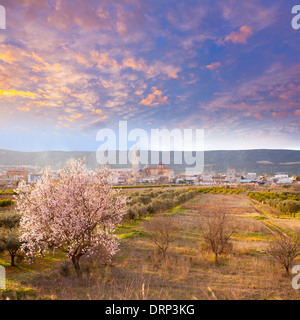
[246, 273]
[140, 272]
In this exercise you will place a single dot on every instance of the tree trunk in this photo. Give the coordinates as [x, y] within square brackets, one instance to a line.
[164, 255]
[75, 261]
[12, 260]
[287, 269]
[216, 259]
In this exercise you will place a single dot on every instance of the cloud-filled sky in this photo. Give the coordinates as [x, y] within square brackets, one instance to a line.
[71, 68]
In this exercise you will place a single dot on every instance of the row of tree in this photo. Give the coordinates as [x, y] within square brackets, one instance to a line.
[217, 190]
[290, 207]
[149, 202]
[285, 202]
[263, 196]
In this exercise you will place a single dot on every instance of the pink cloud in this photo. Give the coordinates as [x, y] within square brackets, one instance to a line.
[253, 12]
[79, 13]
[280, 115]
[213, 66]
[258, 116]
[155, 98]
[240, 36]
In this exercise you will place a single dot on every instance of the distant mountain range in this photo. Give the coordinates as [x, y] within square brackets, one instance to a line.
[258, 160]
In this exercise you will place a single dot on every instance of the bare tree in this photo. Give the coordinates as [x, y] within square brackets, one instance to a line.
[163, 231]
[284, 249]
[217, 229]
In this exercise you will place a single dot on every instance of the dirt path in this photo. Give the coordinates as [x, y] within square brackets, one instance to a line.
[271, 227]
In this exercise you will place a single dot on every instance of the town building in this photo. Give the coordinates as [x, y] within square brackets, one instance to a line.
[284, 181]
[135, 161]
[232, 176]
[34, 177]
[250, 176]
[4, 181]
[17, 175]
[160, 171]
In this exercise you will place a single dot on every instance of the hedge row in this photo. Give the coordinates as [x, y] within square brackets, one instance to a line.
[287, 203]
[12, 192]
[219, 190]
[263, 196]
[290, 207]
[149, 202]
[6, 203]
[146, 186]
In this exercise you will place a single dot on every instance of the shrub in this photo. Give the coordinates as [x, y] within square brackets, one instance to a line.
[9, 220]
[64, 269]
[131, 213]
[6, 203]
[142, 211]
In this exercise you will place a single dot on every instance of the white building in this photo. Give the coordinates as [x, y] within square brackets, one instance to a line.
[34, 177]
[284, 181]
[207, 177]
[279, 176]
[231, 176]
[250, 176]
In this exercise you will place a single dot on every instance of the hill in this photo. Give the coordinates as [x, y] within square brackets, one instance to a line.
[258, 160]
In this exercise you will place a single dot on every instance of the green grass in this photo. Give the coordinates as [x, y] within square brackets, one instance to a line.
[20, 277]
[273, 226]
[259, 217]
[197, 200]
[175, 208]
[129, 228]
[178, 209]
[133, 234]
[250, 236]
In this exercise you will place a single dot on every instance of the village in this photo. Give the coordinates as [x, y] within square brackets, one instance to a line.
[161, 174]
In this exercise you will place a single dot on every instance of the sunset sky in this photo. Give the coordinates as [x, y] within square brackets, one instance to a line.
[71, 68]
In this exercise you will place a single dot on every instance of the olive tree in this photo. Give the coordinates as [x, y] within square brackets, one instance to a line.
[10, 236]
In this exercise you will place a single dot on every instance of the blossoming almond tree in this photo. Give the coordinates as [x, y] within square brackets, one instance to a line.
[76, 214]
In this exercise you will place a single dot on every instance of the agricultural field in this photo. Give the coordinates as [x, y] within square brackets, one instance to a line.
[186, 269]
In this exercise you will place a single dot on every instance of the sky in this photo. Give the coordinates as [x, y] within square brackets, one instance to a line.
[71, 68]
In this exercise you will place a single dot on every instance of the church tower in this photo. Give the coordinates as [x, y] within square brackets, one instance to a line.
[135, 161]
